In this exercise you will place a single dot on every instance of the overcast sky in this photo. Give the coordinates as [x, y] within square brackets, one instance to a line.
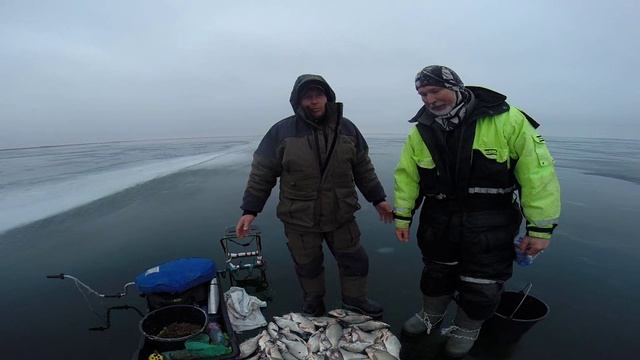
[85, 71]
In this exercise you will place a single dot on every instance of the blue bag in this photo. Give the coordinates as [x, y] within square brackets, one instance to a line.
[176, 276]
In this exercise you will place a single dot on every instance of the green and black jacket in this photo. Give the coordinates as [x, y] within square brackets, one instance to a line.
[495, 151]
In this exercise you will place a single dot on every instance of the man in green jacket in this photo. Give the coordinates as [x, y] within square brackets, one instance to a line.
[465, 161]
[320, 157]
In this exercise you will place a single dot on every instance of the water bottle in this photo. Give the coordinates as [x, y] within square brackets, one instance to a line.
[214, 297]
[522, 259]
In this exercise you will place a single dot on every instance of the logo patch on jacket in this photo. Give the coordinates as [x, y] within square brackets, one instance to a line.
[539, 138]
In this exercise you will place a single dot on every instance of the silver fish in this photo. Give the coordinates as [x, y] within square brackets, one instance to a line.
[349, 316]
[313, 356]
[289, 335]
[333, 354]
[271, 350]
[356, 340]
[359, 335]
[371, 325]
[340, 313]
[304, 323]
[313, 344]
[323, 321]
[347, 355]
[391, 342]
[272, 329]
[296, 348]
[334, 333]
[284, 323]
[325, 343]
[287, 356]
[375, 354]
[249, 346]
[258, 356]
[354, 347]
[378, 346]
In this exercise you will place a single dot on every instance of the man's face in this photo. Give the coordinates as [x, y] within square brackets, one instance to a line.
[313, 101]
[438, 100]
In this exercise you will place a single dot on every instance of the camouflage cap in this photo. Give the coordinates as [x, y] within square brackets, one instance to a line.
[438, 75]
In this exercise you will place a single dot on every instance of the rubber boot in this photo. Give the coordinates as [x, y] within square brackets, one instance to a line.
[462, 335]
[364, 306]
[429, 317]
[354, 297]
[313, 306]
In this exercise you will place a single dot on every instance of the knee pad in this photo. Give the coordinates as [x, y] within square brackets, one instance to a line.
[438, 279]
[479, 300]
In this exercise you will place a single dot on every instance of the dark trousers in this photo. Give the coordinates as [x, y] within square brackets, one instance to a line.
[344, 243]
[471, 253]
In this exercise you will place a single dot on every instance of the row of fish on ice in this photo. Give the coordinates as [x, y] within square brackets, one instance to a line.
[344, 335]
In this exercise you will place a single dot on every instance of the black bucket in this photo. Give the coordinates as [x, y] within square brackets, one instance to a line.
[516, 314]
[154, 322]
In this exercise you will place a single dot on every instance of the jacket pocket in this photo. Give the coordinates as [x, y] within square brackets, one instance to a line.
[428, 175]
[347, 200]
[297, 207]
[544, 157]
[424, 162]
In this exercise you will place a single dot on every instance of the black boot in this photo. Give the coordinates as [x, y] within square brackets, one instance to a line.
[314, 307]
[363, 306]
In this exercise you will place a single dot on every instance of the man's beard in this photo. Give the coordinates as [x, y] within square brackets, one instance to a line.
[443, 111]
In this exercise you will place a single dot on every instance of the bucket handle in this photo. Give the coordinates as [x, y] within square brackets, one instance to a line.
[526, 293]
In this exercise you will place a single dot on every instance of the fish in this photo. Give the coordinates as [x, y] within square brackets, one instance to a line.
[391, 342]
[378, 346]
[290, 335]
[284, 323]
[355, 347]
[356, 340]
[249, 346]
[296, 348]
[325, 343]
[272, 329]
[303, 322]
[258, 356]
[347, 355]
[271, 350]
[287, 356]
[349, 316]
[323, 321]
[333, 354]
[313, 344]
[334, 333]
[375, 354]
[371, 325]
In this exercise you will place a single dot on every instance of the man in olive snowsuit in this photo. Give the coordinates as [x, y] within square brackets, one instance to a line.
[465, 159]
[320, 157]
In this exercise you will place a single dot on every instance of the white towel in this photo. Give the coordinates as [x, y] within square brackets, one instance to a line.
[244, 309]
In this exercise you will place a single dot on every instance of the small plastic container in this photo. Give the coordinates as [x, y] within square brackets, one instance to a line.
[522, 259]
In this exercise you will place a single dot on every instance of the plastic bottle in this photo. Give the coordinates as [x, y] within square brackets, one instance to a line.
[522, 259]
[215, 333]
[214, 297]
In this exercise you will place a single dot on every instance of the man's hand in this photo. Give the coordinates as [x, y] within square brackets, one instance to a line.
[533, 246]
[243, 226]
[402, 234]
[385, 212]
